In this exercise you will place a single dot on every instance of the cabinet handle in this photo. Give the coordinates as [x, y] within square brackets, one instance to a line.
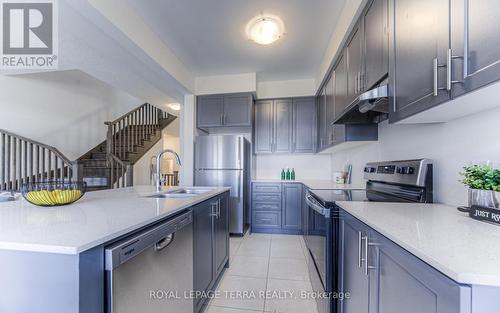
[435, 67]
[218, 208]
[221, 119]
[449, 59]
[360, 243]
[213, 207]
[367, 267]
[225, 119]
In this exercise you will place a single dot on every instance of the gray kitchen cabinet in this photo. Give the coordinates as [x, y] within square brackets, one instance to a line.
[419, 48]
[406, 284]
[264, 127]
[322, 121]
[376, 43]
[292, 211]
[354, 54]
[285, 126]
[210, 111]
[330, 109]
[221, 235]
[341, 98]
[475, 44]
[382, 277]
[210, 244]
[277, 208]
[351, 273]
[283, 121]
[226, 110]
[304, 121]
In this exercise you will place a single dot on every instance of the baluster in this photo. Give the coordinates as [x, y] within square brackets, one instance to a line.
[14, 163]
[2, 168]
[8, 163]
[49, 165]
[111, 173]
[43, 165]
[37, 158]
[129, 139]
[30, 180]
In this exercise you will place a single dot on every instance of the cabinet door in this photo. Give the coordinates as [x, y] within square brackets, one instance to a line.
[237, 110]
[330, 108]
[283, 121]
[263, 129]
[304, 125]
[476, 40]
[354, 51]
[352, 276]
[340, 91]
[221, 235]
[376, 43]
[406, 284]
[291, 215]
[203, 258]
[322, 132]
[209, 111]
[420, 38]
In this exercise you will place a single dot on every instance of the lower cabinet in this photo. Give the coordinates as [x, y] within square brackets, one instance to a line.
[383, 277]
[277, 208]
[211, 244]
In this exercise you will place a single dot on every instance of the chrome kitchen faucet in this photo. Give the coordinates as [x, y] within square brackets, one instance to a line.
[159, 181]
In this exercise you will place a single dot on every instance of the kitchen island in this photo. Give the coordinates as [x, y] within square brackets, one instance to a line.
[52, 259]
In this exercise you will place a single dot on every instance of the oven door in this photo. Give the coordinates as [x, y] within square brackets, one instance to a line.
[321, 246]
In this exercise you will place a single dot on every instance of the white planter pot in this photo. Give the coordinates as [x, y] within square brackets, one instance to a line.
[484, 198]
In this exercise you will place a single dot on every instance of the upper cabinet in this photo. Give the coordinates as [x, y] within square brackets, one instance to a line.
[229, 110]
[354, 52]
[341, 97]
[285, 126]
[376, 43]
[475, 49]
[419, 48]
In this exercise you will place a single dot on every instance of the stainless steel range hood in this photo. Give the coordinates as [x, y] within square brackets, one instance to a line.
[370, 107]
[374, 100]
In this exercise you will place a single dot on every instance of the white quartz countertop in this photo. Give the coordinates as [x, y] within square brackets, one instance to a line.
[98, 217]
[314, 183]
[466, 250]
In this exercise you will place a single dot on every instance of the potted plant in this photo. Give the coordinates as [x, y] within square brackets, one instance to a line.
[484, 185]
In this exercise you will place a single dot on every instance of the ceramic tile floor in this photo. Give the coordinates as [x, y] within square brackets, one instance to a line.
[268, 273]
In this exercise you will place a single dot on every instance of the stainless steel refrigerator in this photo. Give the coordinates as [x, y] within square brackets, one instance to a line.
[225, 161]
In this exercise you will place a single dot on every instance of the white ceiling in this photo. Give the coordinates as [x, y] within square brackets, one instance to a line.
[208, 36]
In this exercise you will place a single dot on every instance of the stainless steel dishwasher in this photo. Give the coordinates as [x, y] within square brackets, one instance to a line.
[150, 271]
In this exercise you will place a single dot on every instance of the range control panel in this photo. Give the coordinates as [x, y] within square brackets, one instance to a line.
[409, 172]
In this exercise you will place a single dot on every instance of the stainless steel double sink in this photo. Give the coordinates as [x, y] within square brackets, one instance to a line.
[186, 192]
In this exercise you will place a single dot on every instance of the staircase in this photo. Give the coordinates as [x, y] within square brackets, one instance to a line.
[110, 164]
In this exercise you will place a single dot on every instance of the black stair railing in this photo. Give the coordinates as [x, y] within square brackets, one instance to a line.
[23, 160]
[124, 134]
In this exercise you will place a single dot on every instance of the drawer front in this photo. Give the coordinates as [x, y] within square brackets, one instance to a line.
[272, 197]
[266, 188]
[260, 206]
[267, 219]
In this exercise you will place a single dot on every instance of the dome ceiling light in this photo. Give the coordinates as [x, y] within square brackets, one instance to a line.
[265, 29]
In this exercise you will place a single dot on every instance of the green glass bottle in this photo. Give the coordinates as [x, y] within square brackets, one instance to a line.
[292, 174]
[288, 174]
[283, 175]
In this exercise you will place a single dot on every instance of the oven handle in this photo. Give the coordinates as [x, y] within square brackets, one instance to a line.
[313, 204]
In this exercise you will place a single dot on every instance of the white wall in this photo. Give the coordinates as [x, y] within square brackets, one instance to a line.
[286, 88]
[451, 145]
[307, 166]
[169, 141]
[226, 84]
[66, 109]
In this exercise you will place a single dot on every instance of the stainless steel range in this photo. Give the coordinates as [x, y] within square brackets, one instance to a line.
[392, 181]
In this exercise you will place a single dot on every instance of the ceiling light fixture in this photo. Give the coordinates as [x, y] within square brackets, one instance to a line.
[265, 29]
[174, 106]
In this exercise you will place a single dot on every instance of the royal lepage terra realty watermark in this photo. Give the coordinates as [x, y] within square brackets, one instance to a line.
[29, 34]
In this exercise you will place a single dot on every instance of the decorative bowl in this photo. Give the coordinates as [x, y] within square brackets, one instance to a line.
[55, 193]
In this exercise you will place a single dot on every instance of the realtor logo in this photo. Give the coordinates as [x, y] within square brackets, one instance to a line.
[29, 34]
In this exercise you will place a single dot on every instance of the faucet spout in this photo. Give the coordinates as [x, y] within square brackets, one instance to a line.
[158, 166]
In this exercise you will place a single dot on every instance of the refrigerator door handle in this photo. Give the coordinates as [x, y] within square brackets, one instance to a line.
[239, 186]
[239, 152]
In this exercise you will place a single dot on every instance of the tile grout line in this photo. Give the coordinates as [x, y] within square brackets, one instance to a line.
[267, 274]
